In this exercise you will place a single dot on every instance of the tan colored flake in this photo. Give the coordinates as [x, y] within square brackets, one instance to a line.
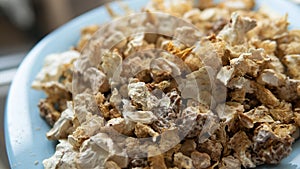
[155, 158]
[183, 161]
[86, 35]
[264, 95]
[142, 131]
[225, 74]
[292, 62]
[234, 5]
[282, 112]
[63, 126]
[193, 62]
[87, 129]
[48, 111]
[234, 32]
[269, 147]
[257, 115]
[169, 139]
[168, 155]
[271, 78]
[188, 147]
[230, 162]
[121, 126]
[200, 160]
[111, 165]
[297, 118]
[177, 52]
[212, 148]
[283, 130]
[240, 143]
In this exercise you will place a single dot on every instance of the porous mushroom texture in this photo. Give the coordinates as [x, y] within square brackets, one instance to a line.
[207, 85]
[234, 33]
[64, 157]
[98, 149]
[141, 96]
[53, 68]
[63, 126]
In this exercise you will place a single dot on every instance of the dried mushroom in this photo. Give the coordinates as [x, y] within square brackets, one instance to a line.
[217, 86]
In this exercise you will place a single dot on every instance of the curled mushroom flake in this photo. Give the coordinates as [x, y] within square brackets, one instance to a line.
[145, 117]
[237, 4]
[141, 96]
[86, 35]
[155, 158]
[234, 33]
[200, 160]
[177, 52]
[142, 131]
[225, 74]
[259, 114]
[240, 143]
[54, 67]
[64, 157]
[292, 63]
[121, 126]
[183, 161]
[55, 103]
[270, 147]
[63, 126]
[283, 112]
[110, 63]
[212, 148]
[271, 78]
[87, 129]
[229, 162]
[97, 150]
[111, 165]
[290, 90]
[264, 95]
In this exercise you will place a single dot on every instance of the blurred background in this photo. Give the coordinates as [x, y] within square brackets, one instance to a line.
[22, 24]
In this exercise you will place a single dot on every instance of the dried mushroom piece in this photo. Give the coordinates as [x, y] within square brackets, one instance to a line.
[213, 148]
[48, 112]
[141, 96]
[230, 162]
[183, 161]
[240, 143]
[234, 33]
[292, 62]
[156, 158]
[64, 157]
[121, 126]
[63, 126]
[200, 160]
[269, 147]
[97, 150]
[86, 35]
[259, 114]
[111, 165]
[87, 129]
[54, 66]
[234, 5]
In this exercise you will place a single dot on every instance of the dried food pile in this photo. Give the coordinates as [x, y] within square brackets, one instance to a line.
[228, 97]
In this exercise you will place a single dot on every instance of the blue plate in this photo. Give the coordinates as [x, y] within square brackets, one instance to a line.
[25, 130]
